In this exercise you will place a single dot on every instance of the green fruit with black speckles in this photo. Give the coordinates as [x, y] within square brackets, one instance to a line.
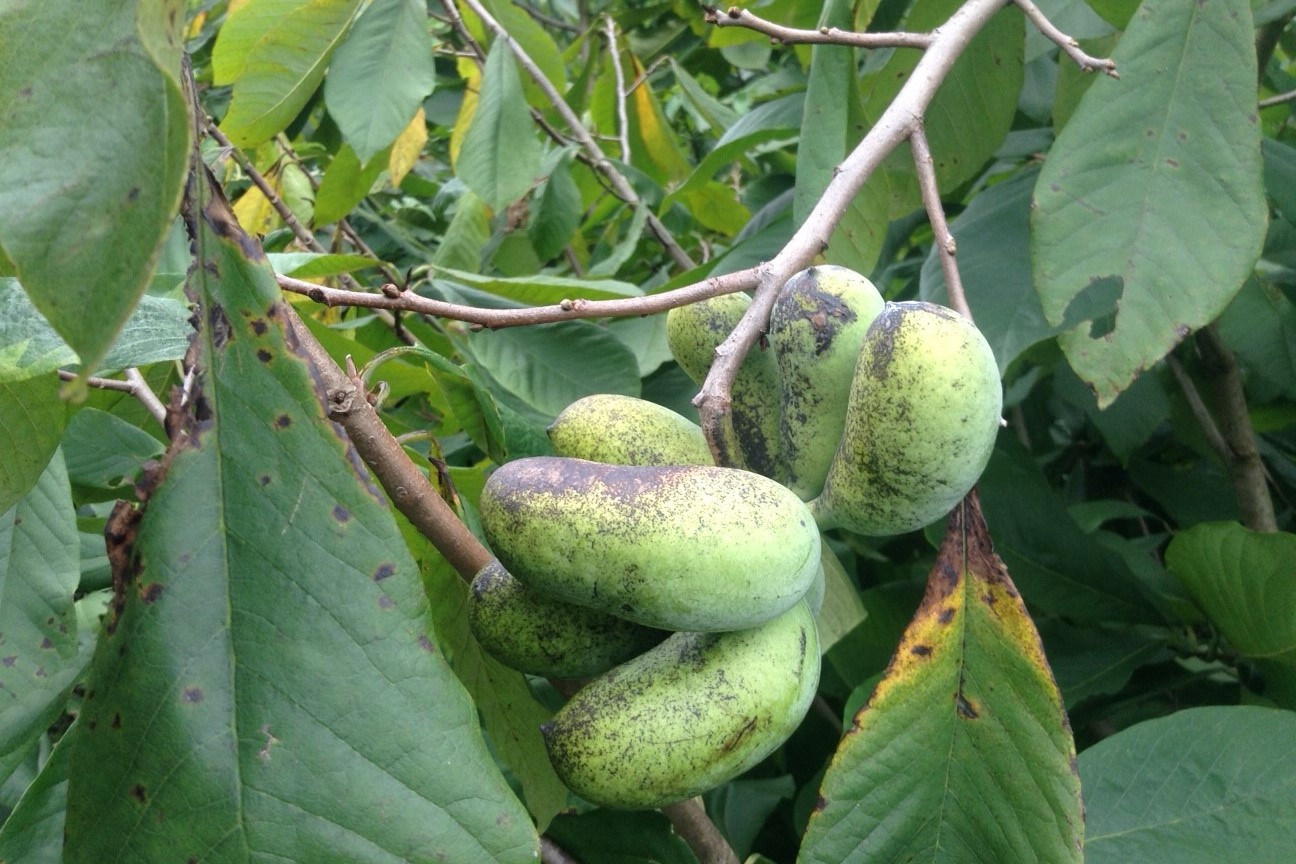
[624, 430]
[682, 547]
[693, 333]
[688, 715]
[816, 328]
[920, 425]
[532, 633]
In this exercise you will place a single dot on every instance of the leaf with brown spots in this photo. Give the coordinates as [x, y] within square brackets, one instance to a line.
[254, 607]
[964, 752]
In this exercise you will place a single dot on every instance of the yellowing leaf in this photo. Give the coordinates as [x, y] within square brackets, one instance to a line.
[255, 212]
[407, 148]
[471, 75]
[653, 129]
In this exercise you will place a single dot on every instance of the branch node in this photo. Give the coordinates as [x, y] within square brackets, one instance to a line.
[390, 290]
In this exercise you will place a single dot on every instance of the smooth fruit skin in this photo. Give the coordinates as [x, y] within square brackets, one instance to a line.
[921, 422]
[685, 547]
[532, 633]
[816, 328]
[623, 430]
[688, 715]
[693, 333]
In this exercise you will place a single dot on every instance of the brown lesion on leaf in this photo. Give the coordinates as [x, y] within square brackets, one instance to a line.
[265, 355]
[222, 331]
[119, 535]
[283, 421]
[384, 571]
[341, 514]
[139, 792]
[921, 650]
[385, 602]
[193, 695]
[151, 592]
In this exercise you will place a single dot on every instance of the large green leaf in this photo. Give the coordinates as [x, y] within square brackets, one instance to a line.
[93, 150]
[830, 87]
[31, 422]
[275, 52]
[1150, 206]
[380, 74]
[500, 156]
[1201, 786]
[33, 833]
[1245, 582]
[964, 752]
[40, 566]
[267, 686]
[993, 236]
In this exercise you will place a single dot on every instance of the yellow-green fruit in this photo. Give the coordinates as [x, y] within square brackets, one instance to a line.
[623, 430]
[816, 327]
[688, 715]
[530, 632]
[921, 422]
[693, 333]
[684, 547]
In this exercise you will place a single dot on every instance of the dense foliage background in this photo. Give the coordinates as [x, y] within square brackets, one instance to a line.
[257, 658]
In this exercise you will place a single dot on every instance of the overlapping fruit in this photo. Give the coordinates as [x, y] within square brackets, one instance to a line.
[689, 591]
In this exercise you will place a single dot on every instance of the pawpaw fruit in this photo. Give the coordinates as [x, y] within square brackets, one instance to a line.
[687, 715]
[624, 430]
[685, 547]
[921, 422]
[816, 328]
[532, 633]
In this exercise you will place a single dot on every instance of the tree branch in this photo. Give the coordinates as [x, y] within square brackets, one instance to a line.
[896, 124]
[623, 121]
[394, 299]
[697, 830]
[738, 17]
[1289, 96]
[1069, 46]
[134, 385]
[599, 161]
[407, 486]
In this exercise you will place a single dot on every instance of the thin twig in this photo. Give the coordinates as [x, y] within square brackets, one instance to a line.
[1069, 46]
[134, 385]
[946, 248]
[1289, 96]
[496, 318]
[619, 184]
[736, 17]
[552, 853]
[1197, 406]
[697, 830]
[623, 120]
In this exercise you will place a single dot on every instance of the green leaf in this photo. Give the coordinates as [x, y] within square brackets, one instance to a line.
[267, 683]
[469, 232]
[31, 422]
[275, 52]
[40, 566]
[829, 91]
[1059, 568]
[1280, 176]
[542, 289]
[1150, 205]
[345, 184]
[1245, 582]
[1260, 326]
[83, 216]
[105, 454]
[620, 837]
[772, 124]
[157, 330]
[313, 265]
[511, 714]
[33, 833]
[964, 752]
[546, 365]
[993, 236]
[558, 210]
[1201, 786]
[500, 156]
[1091, 662]
[380, 74]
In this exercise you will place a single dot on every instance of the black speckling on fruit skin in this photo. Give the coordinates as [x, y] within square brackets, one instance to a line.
[920, 425]
[532, 633]
[816, 328]
[687, 547]
[693, 333]
[623, 430]
[688, 715]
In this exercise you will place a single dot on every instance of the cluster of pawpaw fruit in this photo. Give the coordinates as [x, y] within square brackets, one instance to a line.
[688, 591]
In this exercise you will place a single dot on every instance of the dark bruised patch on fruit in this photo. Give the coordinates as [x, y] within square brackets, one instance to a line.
[150, 593]
[194, 695]
[384, 571]
[731, 742]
